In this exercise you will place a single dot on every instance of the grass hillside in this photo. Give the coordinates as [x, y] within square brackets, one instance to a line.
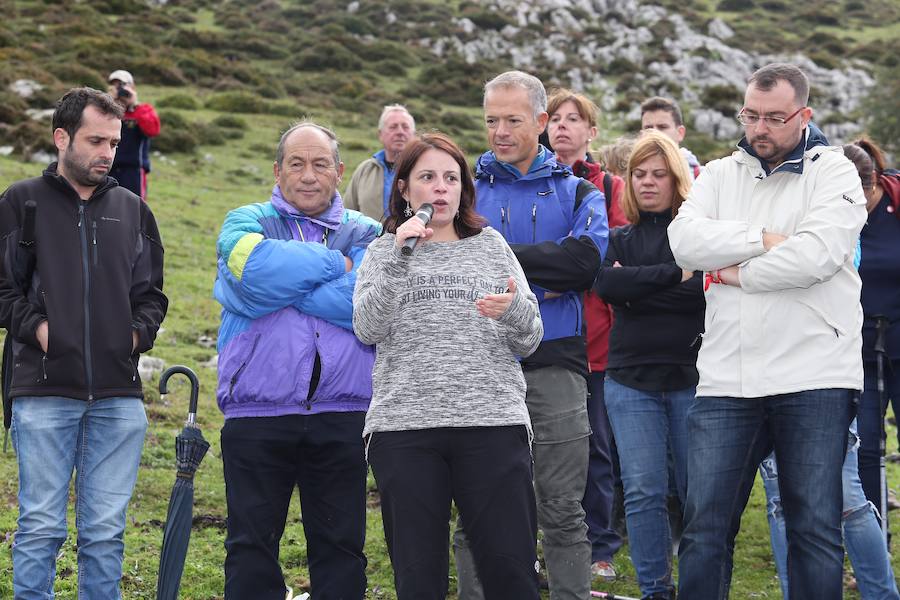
[228, 77]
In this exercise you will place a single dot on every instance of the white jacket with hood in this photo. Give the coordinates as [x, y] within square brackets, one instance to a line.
[795, 322]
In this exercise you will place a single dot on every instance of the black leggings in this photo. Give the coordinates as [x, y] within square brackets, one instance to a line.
[486, 471]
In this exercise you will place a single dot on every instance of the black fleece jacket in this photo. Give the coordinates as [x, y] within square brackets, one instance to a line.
[98, 277]
[657, 318]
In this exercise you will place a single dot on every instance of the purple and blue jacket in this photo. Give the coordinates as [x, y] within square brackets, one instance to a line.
[286, 343]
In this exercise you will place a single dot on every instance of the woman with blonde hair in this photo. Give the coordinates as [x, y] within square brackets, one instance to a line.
[651, 376]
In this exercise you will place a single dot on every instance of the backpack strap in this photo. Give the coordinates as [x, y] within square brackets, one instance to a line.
[607, 190]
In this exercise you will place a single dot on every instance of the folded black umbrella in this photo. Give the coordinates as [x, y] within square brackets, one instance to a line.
[190, 448]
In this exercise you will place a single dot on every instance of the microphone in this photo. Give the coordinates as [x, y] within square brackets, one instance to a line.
[423, 214]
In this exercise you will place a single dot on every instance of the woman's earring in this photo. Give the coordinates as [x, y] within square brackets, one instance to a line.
[407, 212]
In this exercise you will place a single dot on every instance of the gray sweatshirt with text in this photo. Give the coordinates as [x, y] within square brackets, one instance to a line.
[438, 362]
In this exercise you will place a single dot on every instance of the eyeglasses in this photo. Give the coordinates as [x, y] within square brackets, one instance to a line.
[771, 122]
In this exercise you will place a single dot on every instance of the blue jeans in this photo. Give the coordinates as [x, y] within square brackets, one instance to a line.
[646, 426]
[101, 441]
[862, 535]
[729, 438]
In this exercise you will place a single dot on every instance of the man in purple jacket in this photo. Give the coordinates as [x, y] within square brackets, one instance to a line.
[294, 381]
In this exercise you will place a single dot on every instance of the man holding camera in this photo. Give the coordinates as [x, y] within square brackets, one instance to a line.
[139, 124]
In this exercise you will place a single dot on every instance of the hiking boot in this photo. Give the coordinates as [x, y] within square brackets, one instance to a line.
[604, 570]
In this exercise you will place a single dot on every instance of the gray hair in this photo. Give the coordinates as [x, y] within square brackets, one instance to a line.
[332, 138]
[537, 95]
[394, 108]
[768, 77]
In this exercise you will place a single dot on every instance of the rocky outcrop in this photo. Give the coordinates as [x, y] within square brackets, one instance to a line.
[588, 43]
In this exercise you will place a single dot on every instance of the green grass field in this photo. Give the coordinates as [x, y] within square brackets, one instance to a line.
[190, 195]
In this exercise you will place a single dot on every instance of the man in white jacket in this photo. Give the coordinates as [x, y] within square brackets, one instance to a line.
[775, 226]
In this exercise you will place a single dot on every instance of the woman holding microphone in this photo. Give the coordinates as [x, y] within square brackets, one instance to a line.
[448, 419]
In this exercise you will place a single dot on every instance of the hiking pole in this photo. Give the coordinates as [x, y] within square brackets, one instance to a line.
[881, 325]
[609, 596]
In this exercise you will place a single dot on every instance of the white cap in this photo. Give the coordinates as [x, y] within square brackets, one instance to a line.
[121, 75]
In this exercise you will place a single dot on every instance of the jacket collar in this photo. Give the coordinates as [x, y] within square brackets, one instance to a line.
[793, 162]
[381, 159]
[330, 219]
[52, 176]
[587, 169]
[544, 165]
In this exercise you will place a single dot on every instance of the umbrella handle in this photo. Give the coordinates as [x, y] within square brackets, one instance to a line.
[195, 387]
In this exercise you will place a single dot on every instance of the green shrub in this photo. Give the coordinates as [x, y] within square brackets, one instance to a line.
[173, 120]
[881, 107]
[171, 139]
[724, 98]
[237, 102]
[208, 134]
[826, 42]
[327, 55]
[620, 66]
[183, 101]
[457, 122]
[390, 68]
[284, 108]
[73, 74]
[157, 70]
[735, 5]
[230, 122]
[271, 88]
[27, 137]
[453, 81]
[487, 19]
[12, 108]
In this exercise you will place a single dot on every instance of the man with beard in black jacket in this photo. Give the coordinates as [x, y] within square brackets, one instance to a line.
[92, 304]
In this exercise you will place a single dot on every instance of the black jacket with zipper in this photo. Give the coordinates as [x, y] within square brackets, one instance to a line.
[658, 319]
[98, 278]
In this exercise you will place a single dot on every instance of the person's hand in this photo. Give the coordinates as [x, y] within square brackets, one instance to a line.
[617, 264]
[413, 227]
[730, 276]
[494, 305]
[348, 264]
[135, 338]
[43, 335]
[770, 240]
[685, 275]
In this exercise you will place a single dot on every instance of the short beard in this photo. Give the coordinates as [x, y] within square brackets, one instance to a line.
[82, 174]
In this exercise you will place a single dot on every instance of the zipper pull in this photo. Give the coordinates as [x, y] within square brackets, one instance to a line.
[80, 214]
[94, 232]
[589, 219]
[502, 214]
[534, 213]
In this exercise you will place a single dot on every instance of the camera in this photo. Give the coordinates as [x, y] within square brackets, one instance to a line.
[122, 92]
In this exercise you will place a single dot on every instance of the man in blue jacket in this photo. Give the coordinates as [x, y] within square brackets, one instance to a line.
[556, 224]
[294, 382]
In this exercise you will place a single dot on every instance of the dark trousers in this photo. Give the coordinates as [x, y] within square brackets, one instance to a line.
[598, 493]
[265, 458]
[486, 471]
[870, 424]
